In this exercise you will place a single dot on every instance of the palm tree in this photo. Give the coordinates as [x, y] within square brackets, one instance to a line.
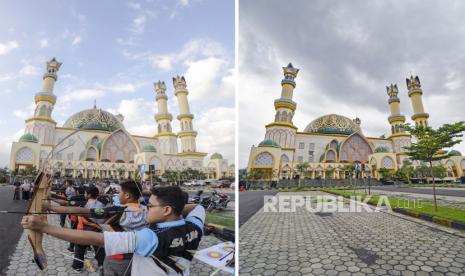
[302, 169]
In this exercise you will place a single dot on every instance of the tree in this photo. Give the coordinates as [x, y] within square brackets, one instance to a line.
[302, 169]
[432, 141]
[407, 170]
[170, 175]
[439, 171]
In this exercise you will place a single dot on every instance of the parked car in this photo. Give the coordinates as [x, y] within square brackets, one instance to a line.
[190, 183]
[221, 184]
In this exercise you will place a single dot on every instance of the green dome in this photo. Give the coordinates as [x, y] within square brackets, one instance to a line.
[333, 124]
[149, 148]
[94, 119]
[269, 143]
[381, 149]
[216, 156]
[28, 138]
[455, 153]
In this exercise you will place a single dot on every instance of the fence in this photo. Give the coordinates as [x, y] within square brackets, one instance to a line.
[312, 183]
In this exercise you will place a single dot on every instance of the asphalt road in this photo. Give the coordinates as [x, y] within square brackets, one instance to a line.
[460, 192]
[10, 227]
[250, 202]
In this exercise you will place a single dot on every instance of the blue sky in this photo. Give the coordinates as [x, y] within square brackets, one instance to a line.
[113, 51]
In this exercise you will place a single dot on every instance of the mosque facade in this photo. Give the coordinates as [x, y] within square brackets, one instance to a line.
[331, 141]
[94, 143]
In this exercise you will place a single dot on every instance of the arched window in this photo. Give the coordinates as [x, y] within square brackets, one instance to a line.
[333, 145]
[330, 156]
[355, 148]
[24, 155]
[264, 159]
[91, 154]
[284, 158]
[119, 147]
[387, 163]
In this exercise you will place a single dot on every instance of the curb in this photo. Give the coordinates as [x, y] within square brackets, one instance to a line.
[438, 220]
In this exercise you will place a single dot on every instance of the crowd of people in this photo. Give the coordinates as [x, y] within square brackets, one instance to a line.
[129, 228]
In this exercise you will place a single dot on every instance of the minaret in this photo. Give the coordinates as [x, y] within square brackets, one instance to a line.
[41, 125]
[396, 119]
[187, 134]
[415, 93]
[167, 139]
[285, 108]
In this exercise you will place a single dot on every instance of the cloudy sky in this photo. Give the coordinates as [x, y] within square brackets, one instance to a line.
[348, 52]
[113, 51]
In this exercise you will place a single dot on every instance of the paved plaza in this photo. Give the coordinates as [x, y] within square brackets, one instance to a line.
[20, 263]
[366, 243]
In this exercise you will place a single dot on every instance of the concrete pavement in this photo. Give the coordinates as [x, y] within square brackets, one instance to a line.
[365, 243]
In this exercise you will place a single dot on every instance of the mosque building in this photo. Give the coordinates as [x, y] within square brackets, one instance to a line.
[331, 141]
[94, 143]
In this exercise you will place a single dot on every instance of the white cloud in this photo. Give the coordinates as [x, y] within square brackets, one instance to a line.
[201, 76]
[215, 129]
[25, 113]
[76, 40]
[29, 70]
[134, 6]
[43, 43]
[79, 95]
[193, 50]
[6, 47]
[138, 24]
[5, 146]
[138, 116]
[184, 2]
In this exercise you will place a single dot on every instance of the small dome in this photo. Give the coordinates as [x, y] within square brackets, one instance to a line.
[455, 153]
[149, 148]
[28, 138]
[269, 143]
[333, 124]
[94, 119]
[216, 156]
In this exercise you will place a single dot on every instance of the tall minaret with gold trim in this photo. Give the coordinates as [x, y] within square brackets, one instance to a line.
[396, 119]
[285, 108]
[41, 125]
[414, 92]
[187, 133]
[166, 138]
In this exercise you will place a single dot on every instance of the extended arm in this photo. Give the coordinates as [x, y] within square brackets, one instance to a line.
[76, 236]
[187, 209]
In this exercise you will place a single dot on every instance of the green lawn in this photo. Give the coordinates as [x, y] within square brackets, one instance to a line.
[425, 208]
[221, 219]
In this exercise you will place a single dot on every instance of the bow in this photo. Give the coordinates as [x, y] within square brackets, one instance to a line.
[42, 186]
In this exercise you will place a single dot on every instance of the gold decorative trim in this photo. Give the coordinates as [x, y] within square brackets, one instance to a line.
[323, 134]
[292, 149]
[400, 135]
[41, 118]
[197, 154]
[285, 105]
[165, 134]
[281, 124]
[396, 119]
[163, 116]
[187, 134]
[45, 98]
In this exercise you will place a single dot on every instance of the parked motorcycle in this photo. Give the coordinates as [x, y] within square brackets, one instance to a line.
[218, 201]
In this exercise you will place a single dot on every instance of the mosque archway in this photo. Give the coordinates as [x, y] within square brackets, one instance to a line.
[119, 147]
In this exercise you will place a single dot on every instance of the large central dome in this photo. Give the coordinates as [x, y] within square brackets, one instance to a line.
[333, 124]
[94, 119]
